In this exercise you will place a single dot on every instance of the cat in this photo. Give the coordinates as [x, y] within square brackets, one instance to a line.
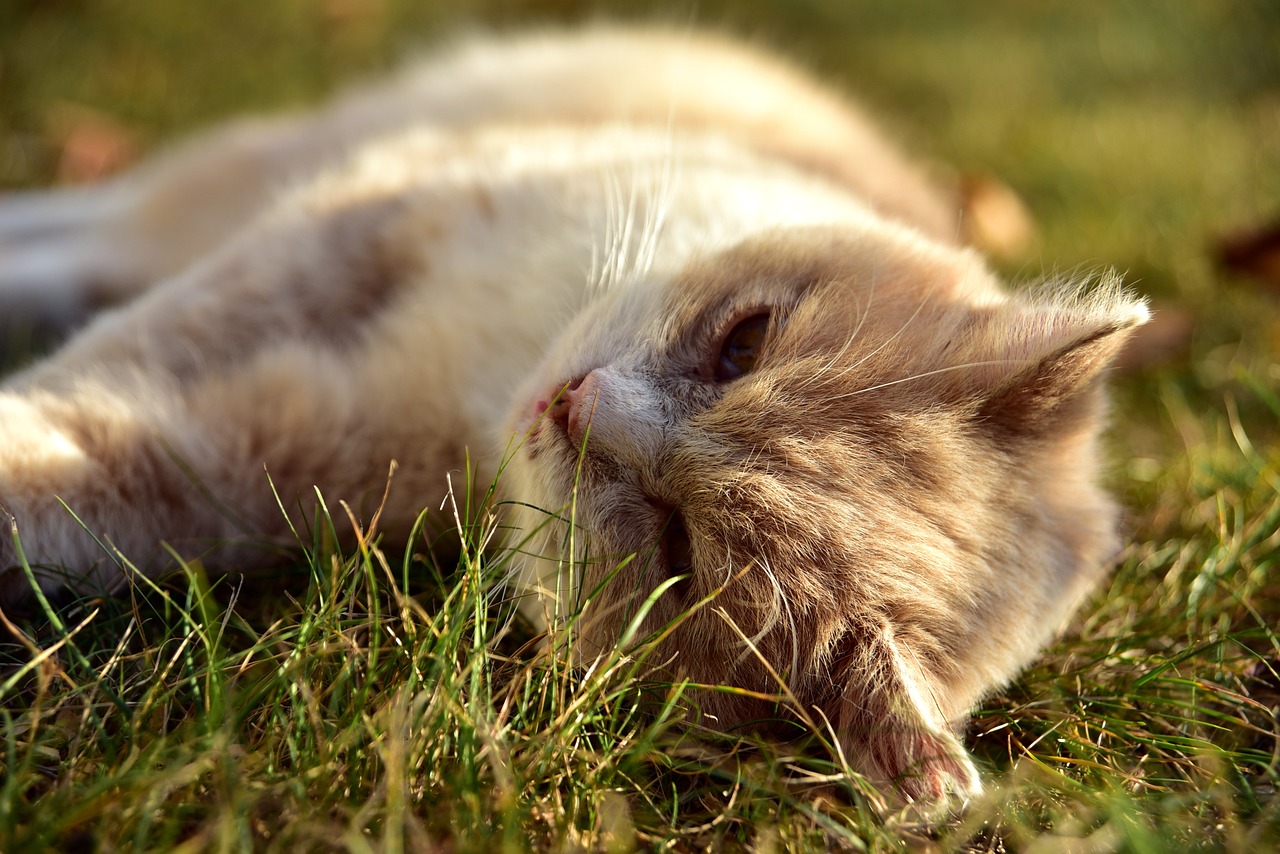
[714, 331]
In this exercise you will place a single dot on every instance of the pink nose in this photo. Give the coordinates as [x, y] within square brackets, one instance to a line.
[572, 408]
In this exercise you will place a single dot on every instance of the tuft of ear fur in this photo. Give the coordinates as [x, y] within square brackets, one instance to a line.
[1045, 353]
[891, 725]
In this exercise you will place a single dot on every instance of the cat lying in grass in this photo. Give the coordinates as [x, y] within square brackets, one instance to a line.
[739, 378]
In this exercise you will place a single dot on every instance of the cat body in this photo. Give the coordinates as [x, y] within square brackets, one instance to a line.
[713, 331]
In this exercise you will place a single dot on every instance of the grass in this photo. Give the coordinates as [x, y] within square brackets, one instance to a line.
[379, 702]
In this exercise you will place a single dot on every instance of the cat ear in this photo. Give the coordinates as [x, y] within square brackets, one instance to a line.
[891, 726]
[1042, 357]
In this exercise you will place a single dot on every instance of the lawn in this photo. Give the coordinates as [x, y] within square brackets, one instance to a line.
[355, 709]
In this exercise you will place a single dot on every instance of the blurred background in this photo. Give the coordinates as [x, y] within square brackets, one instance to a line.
[1142, 135]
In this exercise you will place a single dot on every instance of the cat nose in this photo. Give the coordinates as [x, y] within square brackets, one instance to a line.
[619, 413]
[573, 406]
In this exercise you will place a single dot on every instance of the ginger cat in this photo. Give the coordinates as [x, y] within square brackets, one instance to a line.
[703, 312]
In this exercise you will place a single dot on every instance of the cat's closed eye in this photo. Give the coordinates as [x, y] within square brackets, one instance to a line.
[742, 346]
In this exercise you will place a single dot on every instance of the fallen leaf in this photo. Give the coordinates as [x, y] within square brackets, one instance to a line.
[994, 217]
[93, 146]
[1254, 252]
[1164, 338]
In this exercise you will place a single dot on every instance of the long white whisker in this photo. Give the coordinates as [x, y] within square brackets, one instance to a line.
[614, 224]
[926, 374]
[660, 206]
[604, 252]
[888, 341]
[622, 244]
[779, 608]
[848, 344]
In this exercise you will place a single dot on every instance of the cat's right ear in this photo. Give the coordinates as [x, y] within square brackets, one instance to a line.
[1039, 361]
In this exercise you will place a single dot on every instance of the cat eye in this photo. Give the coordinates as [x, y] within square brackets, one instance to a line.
[742, 347]
[675, 546]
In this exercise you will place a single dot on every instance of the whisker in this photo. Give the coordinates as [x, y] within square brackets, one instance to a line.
[906, 324]
[781, 606]
[658, 210]
[846, 347]
[926, 374]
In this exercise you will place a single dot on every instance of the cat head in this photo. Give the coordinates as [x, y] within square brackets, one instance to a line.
[851, 464]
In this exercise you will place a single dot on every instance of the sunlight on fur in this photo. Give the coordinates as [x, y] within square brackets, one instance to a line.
[748, 394]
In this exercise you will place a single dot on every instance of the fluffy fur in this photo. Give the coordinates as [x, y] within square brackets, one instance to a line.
[882, 519]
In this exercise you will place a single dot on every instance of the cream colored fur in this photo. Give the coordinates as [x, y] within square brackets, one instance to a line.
[535, 254]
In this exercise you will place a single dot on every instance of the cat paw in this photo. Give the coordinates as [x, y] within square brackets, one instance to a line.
[54, 262]
[934, 778]
[892, 726]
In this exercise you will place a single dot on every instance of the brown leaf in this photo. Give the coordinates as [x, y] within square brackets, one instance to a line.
[1254, 252]
[994, 217]
[1164, 338]
[93, 145]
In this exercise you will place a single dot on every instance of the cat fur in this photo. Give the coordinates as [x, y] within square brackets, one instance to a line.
[527, 254]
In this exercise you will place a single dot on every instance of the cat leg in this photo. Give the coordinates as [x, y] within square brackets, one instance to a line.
[100, 476]
[32, 214]
[891, 724]
[160, 424]
[107, 462]
[104, 470]
[65, 253]
[51, 257]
